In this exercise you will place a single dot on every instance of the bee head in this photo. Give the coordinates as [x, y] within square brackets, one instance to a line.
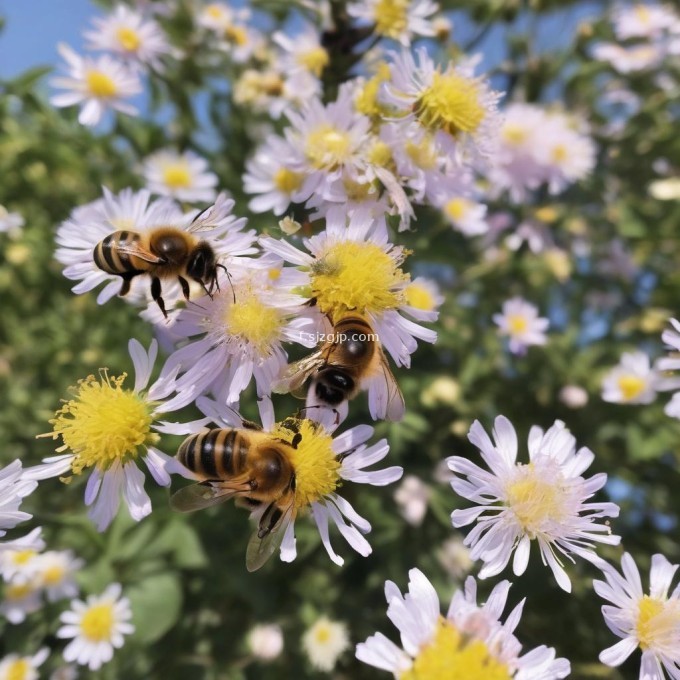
[201, 265]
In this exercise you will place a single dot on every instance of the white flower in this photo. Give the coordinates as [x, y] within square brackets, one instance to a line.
[452, 104]
[465, 215]
[97, 627]
[633, 381]
[303, 51]
[55, 570]
[643, 20]
[10, 222]
[543, 501]
[183, 176]
[20, 600]
[629, 59]
[13, 489]
[650, 622]
[672, 363]
[573, 396]
[400, 20]
[15, 667]
[97, 84]
[454, 556]
[519, 320]
[107, 428]
[265, 641]
[229, 28]
[324, 642]
[430, 642]
[412, 496]
[131, 36]
[321, 463]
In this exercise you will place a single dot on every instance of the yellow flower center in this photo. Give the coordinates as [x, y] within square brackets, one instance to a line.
[100, 85]
[517, 324]
[18, 591]
[327, 147]
[420, 297]
[391, 17]
[317, 470]
[658, 623]
[514, 134]
[535, 501]
[457, 208]
[53, 575]
[358, 191]
[23, 556]
[642, 13]
[422, 154]
[215, 12]
[380, 154]
[451, 104]
[454, 656]
[560, 153]
[546, 213]
[367, 101]
[631, 386]
[128, 38]
[322, 634]
[237, 35]
[177, 175]
[97, 623]
[357, 276]
[17, 670]
[287, 181]
[103, 423]
[314, 60]
[253, 321]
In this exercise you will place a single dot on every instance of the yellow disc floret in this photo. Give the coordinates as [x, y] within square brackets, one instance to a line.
[391, 17]
[177, 175]
[454, 656]
[367, 99]
[252, 321]
[631, 386]
[314, 60]
[18, 669]
[97, 623]
[100, 85]
[128, 38]
[357, 276]
[657, 623]
[103, 423]
[457, 208]
[451, 103]
[420, 297]
[317, 469]
[327, 147]
[517, 324]
[287, 181]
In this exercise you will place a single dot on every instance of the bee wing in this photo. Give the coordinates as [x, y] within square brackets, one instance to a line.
[267, 538]
[201, 495]
[203, 221]
[295, 375]
[137, 250]
[388, 397]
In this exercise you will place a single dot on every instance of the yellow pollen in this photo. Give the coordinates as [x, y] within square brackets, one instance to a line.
[420, 297]
[457, 208]
[631, 386]
[23, 556]
[327, 147]
[53, 575]
[18, 591]
[17, 670]
[380, 154]
[367, 101]
[422, 154]
[287, 181]
[274, 274]
[128, 39]
[391, 17]
[236, 35]
[100, 85]
[658, 623]
[559, 153]
[358, 276]
[322, 634]
[358, 191]
[314, 60]
[316, 466]
[451, 103]
[452, 655]
[177, 175]
[253, 321]
[215, 11]
[104, 423]
[517, 324]
[97, 623]
[535, 501]
[514, 134]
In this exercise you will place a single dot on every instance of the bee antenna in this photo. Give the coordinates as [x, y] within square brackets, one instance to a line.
[231, 283]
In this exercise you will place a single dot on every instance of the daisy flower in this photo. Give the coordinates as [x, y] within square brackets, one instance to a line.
[229, 27]
[643, 21]
[413, 496]
[650, 622]
[355, 268]
[629, 59]
[303, 51]
[469, 642]
[97, 627]
[519, 321]
[543, 501]
[633, 381]
[19, 561]
[456, 107]
[106, 428]
[131, 36]
[265, 641]
[96, 84]
[465, 215]
[21, 599]
[400, 20]
[423, 299]
[671, 336]
[183, 176]
[324, 642]
[10, 223]
[238, 334]
[322, 463]
[15, 667]
[56, 571]
[13, 489]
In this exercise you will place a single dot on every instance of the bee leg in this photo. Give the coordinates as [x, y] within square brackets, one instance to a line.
[156, 294]
[185, 287]
[127, 280]
[231, 283]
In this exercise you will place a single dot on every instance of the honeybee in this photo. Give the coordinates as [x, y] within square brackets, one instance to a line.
[247, 464]
[351, 360]
[162, 253]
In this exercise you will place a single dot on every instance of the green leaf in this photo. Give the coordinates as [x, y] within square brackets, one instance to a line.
[156, 603]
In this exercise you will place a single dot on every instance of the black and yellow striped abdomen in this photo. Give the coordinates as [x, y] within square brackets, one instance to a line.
[216, 454]
[109, 258]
